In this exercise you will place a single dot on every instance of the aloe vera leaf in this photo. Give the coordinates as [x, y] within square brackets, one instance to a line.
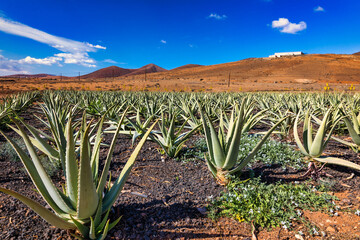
[111, 196]
[40, 210]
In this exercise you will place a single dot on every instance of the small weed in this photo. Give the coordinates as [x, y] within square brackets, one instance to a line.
[51, 167]
[196, 152]
[7, 151]
[272, 152]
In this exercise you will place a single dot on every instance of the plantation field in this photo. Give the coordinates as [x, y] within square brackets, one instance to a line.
[211, 165]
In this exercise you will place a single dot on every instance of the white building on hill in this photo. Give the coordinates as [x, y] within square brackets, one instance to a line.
[285, 54]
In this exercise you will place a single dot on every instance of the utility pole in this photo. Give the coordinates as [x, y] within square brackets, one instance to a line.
[79, 76]
[60, 77]
[229, 79]
[145, 74]
[113, 75]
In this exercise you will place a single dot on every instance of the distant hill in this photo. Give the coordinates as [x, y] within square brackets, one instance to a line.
[40, 75]
[115, 71]
[358, 53]
[108, 72]
[307, 68]
[150, 68]
[186, 66]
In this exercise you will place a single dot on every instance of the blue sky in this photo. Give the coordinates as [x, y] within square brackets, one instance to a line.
[69, 36]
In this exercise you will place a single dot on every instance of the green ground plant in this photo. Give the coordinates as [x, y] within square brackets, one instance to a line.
[8, 152]
[270, 205]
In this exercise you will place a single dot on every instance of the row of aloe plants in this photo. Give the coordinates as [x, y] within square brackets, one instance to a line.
[15, 103]
[72, 139]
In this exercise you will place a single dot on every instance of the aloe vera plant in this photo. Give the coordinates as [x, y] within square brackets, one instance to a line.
[352, 122]
[313, 147]
[224, 148]
[85, 202]
[250, 119]
[171, 138]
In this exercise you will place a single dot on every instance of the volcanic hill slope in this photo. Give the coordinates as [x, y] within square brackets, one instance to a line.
[108, 72]
[312, 68]
[115, 71]
[150, 68]
[186, 66]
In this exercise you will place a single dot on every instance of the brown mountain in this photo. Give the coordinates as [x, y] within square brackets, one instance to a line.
[186, 66]
[305, 69]
[115, 71]
[150, 68]
[358, 53]
[108, 72]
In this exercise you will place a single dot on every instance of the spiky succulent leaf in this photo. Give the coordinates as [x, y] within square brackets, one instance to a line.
[105, 171]
[40, 210]
[71, 166]
[38, 173]
[339, 162]
[317, 145]
[111, 196]
[88, 199]
[297, 138]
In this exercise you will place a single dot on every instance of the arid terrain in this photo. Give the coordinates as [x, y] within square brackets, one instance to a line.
[310, 72]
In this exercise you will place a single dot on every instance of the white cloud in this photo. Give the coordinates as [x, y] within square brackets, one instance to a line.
[77, 58]
[8, 66]
[74, 52]
[109, 61]
[286, 26]
[96, 46]
[163, 41]
[43, 61]
[319, 9]
[217, 16]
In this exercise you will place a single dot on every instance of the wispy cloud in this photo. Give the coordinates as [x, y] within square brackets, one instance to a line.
[163, 41]
[2, 13]
[74, 52]
[319, 9]
[285, 26]
[217, 16]
[109, 61]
